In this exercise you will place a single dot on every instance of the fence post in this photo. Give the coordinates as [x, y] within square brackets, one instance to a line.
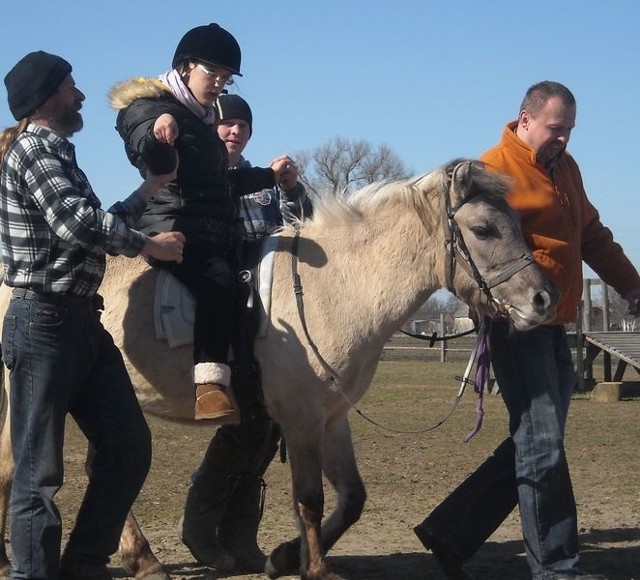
[580, 347]
[605, 306]
[443, 343]
[586, 311]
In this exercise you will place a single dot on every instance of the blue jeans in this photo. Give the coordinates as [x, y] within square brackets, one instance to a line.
[536, 377]
[61, 361]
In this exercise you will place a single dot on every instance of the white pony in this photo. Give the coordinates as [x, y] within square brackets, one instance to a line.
[341, 286]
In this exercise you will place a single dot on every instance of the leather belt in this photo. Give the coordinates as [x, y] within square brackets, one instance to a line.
[94, 302]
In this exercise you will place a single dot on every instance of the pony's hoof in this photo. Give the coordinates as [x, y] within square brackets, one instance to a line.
[158, 575]
[132, 567]
[285, 559]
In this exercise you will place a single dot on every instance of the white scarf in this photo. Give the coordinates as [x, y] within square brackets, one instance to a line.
[173, 81]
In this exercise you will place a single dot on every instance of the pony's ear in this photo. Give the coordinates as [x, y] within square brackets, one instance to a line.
[461, 180]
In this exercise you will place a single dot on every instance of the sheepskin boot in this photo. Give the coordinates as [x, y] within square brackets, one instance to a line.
[214, 399]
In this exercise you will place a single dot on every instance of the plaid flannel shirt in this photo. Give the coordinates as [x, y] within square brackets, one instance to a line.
[53, 233]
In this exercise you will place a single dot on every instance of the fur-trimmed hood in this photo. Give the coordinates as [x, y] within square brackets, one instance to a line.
[125, 92]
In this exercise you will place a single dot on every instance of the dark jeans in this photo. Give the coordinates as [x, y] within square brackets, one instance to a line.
[536, 377]
[61, 361]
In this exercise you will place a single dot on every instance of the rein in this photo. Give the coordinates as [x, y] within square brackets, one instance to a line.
[334, 378]
[435, 338]
[297, 289]
[457, 252]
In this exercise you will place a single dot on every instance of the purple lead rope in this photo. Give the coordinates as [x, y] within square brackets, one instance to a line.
[483, 360]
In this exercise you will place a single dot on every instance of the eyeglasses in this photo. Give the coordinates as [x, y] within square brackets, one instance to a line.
[224, 78]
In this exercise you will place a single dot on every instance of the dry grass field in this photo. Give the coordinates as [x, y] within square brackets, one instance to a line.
[407, 474]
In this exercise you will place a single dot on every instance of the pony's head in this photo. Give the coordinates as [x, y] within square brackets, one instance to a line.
[486, 261]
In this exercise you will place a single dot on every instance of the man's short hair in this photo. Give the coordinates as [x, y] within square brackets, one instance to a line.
[537, 96]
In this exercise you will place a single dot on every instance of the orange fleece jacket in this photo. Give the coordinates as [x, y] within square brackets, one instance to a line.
[559, 223]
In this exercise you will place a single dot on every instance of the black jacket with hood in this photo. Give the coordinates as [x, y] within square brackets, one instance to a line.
[203, 201]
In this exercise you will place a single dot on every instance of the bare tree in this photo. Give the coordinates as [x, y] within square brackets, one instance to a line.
[619, 317]
[342, 166]
[442, 302]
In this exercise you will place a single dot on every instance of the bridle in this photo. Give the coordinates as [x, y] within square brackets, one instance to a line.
[458, 253]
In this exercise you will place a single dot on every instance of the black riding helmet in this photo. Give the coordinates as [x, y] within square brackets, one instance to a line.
[209, 44]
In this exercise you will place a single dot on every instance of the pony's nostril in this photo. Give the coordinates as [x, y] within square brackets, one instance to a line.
[542, 299]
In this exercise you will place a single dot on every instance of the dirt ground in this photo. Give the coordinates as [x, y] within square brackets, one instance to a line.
[406, 476]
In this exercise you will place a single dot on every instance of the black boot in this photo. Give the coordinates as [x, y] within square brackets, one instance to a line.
[198, 526]
[238, 531]
[234, 452]
[211, 488]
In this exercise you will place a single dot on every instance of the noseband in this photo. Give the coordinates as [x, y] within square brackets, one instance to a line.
[458, 253]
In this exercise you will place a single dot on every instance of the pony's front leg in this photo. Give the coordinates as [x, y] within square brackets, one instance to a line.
[341, 470]
[136, 555]
[304, 553]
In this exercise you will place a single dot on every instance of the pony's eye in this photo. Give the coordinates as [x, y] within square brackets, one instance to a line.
[482, 232]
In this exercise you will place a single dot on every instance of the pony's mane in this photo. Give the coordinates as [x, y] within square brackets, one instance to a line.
[339, 211]
[404, 191]
[421, 193]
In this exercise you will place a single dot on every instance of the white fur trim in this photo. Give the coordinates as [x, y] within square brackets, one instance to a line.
[210, 372]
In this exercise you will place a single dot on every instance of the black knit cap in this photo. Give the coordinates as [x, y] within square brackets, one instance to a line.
[210, 44]
[33, 80]
[234, 107]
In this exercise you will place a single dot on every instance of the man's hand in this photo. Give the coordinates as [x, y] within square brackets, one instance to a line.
[166, 246]
[286, 172]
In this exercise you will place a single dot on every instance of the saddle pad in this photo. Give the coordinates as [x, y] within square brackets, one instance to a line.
[174, 306]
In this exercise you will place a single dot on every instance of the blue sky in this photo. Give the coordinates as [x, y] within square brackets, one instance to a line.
[433, 80]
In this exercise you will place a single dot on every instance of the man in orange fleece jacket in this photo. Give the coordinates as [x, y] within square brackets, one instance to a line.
[534, 369]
